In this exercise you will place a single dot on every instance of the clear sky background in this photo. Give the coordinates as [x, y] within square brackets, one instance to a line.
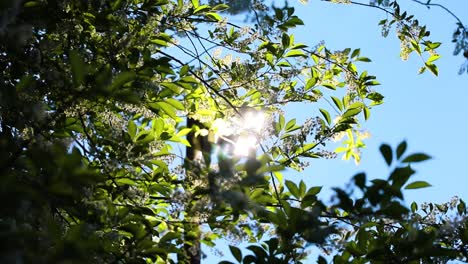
[429, 112]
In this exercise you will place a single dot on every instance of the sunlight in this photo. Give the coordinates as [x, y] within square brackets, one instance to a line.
[253, 121]
[240, 133]
[244, 145]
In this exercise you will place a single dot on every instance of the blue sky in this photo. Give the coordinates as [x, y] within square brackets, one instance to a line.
[428, 112]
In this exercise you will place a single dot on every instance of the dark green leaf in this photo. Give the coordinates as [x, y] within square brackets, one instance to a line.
[236, 252]
[417, 185]
[321, 260]
[121, 79]
[387, 154]
[417, 157]
[285, 41]
[363, 59]
[78, 68]
[355, 53]
[360, 180]
[401, 149]
[461, 207]
[293, 188]
[366, 113]
[314, 190]
[432, 68]
[337, 103]
[326, 115]
[374, 96]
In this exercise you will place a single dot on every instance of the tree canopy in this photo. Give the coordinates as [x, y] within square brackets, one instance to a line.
[99, 99]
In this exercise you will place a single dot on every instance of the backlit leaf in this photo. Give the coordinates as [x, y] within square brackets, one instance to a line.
[417, 185]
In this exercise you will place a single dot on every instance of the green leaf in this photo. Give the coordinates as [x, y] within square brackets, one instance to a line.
[326, 115]
[417, 157]
[161, 2]
[292, 187]
[422, 69]
[290, 125]
[165, 107]
[195, 3]
[432, 68]
[285, 40]
[356, 105]
[337, 102]
[366, 113]
[236, 252]
[329, 86]
[302, 188]
[374, 96]
[78, 68]
[461, 207]
[386, 152]
[417, 185]
[414, 207]
[220, 7]
[314, 190]
[125, 181]
[432, 45]
[351, 112]
[363, 59]
[160, 40]
[32, 4]
[184, 132]
[310, 83]
[416, 47]
[175, 103]
[144, 137]
[400, 176]
[201, 9]
[214, 16]
[401, 149]
[355, 53]
[433, 58]
[131, 129]
[360, 180]
[299, 46]
[322, 260]
[121, 79]
[295, 53]
[184, 70]
[280, 124]
[283, 64]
